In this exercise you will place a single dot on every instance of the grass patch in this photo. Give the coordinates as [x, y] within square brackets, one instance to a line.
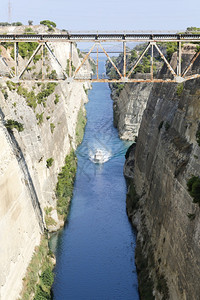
[81, 122]
[33, 283]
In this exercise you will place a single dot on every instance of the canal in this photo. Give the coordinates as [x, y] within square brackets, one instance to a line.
[95, 251]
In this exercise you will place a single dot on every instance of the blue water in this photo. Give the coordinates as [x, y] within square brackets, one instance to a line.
[95, 251]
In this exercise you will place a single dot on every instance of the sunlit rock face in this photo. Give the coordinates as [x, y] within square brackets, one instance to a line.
[27, 185]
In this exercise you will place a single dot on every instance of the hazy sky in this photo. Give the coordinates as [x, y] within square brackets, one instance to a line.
[106, 14]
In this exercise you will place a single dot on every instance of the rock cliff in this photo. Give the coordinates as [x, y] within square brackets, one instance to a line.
[27, 182]
[129, 107]
[159, 167]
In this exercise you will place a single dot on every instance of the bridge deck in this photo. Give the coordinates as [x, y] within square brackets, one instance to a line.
[108, 37]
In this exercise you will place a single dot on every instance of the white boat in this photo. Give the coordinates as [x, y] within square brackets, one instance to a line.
[98, 156]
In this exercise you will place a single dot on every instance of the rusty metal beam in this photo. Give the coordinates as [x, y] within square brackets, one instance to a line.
[83, 61]
[191, 63]
[151, 61]
[192, 77]
[124, 50]
[165, 60]
[107, 80]
[16, 52]
[97, 61]
[30, 59]
[139, 59]
[43, 60]
[111, 61]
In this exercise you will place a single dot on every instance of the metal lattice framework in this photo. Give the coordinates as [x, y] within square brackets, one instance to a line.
[153, 41]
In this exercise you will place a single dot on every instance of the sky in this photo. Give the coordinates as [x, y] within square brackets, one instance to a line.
[106, 15]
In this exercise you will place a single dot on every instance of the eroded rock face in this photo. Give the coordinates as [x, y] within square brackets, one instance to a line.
[129, 107]
[166, 156]
[27, 185]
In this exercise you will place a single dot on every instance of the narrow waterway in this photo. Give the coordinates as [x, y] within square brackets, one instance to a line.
[95, 251]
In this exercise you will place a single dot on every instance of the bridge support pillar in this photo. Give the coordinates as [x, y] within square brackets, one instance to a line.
[16, 53]
[97, 62]
[179, 57]
[43, 60]
[124, 50]
[152, 61]
[70, 59]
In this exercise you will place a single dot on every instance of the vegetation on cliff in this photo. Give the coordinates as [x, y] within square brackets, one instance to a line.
[10, 124]
[193, 185]
[81, 122]
[39, 276]
[64, 187]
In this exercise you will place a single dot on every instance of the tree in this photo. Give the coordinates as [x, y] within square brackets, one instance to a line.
[48, 23]
[30, 22]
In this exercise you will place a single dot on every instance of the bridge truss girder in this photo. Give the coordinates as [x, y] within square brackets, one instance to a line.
[176, 75]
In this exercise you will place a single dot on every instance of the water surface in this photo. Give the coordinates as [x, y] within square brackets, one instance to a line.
[95, 251]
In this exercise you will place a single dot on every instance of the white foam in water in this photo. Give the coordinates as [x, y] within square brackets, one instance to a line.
[99, 156]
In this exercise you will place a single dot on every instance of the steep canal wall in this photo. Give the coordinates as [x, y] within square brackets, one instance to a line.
[38, 128]
[163, 197]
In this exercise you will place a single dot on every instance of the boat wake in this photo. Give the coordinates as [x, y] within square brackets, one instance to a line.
[99, 156]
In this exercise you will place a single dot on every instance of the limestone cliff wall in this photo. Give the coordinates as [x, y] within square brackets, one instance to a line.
[129, 107]
[27, 186]
[165, 158]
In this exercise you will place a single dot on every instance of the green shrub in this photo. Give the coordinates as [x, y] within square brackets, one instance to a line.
[64, 187]
[10, 124]
[41, 295]
[31, 99]
[193, 185]
[171, 48]
[40, 119]
[47, 277]
[180, 88]
[22, 91]
[11, 85]
[37, 58]
[27, 49]
[49, 162]
[52, 127]
[53, 75]
[56, 98]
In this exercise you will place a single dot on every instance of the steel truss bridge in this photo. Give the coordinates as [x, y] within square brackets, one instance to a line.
[152, 40]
